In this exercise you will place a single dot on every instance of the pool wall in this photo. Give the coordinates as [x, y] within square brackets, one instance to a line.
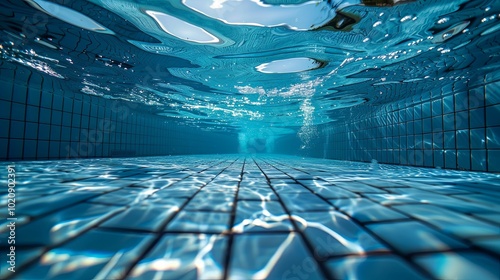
[454, 127]
[41, 119]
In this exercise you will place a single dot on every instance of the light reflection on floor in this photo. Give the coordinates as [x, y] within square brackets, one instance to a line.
[237, 217]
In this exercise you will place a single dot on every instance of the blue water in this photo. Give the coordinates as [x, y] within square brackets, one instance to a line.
[258, 69]
[250, 139]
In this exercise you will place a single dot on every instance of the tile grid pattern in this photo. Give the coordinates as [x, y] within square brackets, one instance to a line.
[287, 211]
[181, 209]
[131, 180]
[340, 210]
[447, 128]
[235, 218]
[46, 120]
[371, 225]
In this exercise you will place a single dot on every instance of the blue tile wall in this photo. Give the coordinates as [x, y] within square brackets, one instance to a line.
[46, 121]
[446, 129]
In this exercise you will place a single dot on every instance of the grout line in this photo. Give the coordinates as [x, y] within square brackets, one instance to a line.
[231, 222]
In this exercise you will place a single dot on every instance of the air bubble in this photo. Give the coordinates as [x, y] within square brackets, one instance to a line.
[447, 35]
[405, 18]
[443, 20]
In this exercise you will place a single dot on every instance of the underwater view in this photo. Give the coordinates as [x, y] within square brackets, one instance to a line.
[250, 139]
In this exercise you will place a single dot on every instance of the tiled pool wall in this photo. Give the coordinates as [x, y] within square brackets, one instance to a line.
[457, 127]
[41, 119]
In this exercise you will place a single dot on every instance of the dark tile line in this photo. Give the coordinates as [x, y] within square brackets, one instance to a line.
[231, 222]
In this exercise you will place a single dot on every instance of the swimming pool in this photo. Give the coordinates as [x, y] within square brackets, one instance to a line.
[265, 139]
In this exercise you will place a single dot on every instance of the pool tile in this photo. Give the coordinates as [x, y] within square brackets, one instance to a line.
[365, 210]
[22, 257]
[211, 202]
[157, 183]
[93, 255]
[373, 267]
[276, 175]
[490, 217]
[141, 217]
[272, 256]
[253, 182]
[261, 194]
[20, 197]
[327, 190]
[63, 225]
[198, 221]
[299, 202]
[162, 201]
[175, 191]
[94, 182]
[445, 189]
[46, 204]
[284, 182]
[221, 187]
[449, 221]
[383, 183]
[290, 188]
[460, 265]
[486, 200]
[190, 183]
[392, 199]
[261, 216]
[299, 175]
[443, 200]
[43, 189]
[491, 244]
[184, 256]
[333, 233]
[357, 187]
[123, 197]
[413, 237]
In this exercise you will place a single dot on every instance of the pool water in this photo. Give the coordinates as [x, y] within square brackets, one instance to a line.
[250, 139]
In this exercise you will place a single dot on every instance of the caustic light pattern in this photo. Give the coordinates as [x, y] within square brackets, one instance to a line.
[234, 217]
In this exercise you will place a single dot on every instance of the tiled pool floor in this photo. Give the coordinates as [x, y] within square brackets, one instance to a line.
[237, 217]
